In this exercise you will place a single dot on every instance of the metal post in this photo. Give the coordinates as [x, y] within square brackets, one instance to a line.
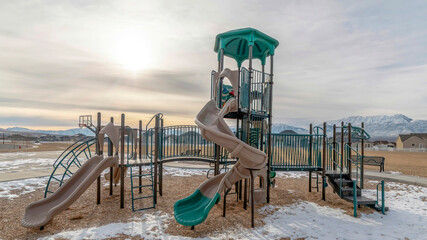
[270, 123]
[248, 125]
[140, 155]
[252, 200]
[219, 93]
[355, 198]
[382, 197]
[324, 163]
[98, 152]
[342, 145]
[362, 165]
[334, 145]
[245, 194]
[349, 150]
[161, 164]
[110, 153]
[310, 157]
[156, 155]
[122, 162]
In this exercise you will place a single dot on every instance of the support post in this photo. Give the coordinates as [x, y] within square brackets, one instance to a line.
[349, 150]
[252, 199]
[310, 157]
[140, 155]
[270, 124]
[362, 164]
[160, 156]
[122, 161]
[324, 163]
[354, 198]
[245, 195]
[342, 146]
[98, 152]
[334, 145]
[382, 198]
[219, 101]
[156, 155]
[110, 153]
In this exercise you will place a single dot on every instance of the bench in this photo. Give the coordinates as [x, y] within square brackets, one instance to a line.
[373, 161]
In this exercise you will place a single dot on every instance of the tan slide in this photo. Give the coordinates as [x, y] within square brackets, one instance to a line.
[39, 213]
[194, 209]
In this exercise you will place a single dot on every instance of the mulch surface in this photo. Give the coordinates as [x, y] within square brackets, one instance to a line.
[86, 213]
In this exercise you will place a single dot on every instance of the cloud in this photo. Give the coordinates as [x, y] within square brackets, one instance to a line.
[334, 59]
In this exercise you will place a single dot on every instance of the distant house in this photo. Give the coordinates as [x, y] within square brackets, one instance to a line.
[412, 140]
[384, 144]
[47, 138]
[288, 132]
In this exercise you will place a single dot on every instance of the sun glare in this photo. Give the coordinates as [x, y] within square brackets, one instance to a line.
[132, 51]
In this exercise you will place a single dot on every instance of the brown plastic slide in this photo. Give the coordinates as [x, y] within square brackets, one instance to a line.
[214, 128]
[39, 213]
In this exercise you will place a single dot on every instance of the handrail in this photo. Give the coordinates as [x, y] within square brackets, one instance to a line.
[80, 140]
[382, 196]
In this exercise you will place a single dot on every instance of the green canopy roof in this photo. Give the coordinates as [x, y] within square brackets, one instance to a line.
[236, 44]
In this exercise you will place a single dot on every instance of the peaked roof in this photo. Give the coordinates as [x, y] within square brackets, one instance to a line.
[288, 132]
[236, 44]
[405, 137]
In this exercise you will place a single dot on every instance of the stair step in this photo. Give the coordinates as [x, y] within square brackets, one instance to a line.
[349, 191]
[361, 200]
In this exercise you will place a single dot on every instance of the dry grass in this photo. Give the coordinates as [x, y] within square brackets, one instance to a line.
[410, 163]
[85, 213]
[54, 146]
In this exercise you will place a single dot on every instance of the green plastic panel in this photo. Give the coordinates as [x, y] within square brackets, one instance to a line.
[194, 209]
[236, 44]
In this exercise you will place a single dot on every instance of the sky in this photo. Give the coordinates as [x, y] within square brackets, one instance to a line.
[62, 59]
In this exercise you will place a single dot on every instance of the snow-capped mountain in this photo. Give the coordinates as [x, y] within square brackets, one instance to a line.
[383, 126]
[68, 132]
[279, 127]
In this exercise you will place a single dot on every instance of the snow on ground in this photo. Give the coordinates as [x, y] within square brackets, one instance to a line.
[12, 162]
[407, 218]
[184, 172]
[285, 175]
[11, 189]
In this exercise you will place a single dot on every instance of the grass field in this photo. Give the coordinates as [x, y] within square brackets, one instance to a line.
[410, 163]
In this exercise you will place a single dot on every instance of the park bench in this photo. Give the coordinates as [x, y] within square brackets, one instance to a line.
[373, 161]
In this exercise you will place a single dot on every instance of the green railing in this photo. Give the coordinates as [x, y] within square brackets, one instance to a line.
[298, 152]
[65, 162]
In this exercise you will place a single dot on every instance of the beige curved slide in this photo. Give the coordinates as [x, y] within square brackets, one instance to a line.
[214, 128]
[194, 209]
[41, 212]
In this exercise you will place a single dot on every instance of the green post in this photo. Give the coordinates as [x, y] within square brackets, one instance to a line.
[354, 198]
[382, 198]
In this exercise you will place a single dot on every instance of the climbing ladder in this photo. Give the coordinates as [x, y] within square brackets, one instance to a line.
[142, 172]
[68, 162]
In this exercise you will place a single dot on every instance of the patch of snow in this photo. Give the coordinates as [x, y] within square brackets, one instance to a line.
[394, 172]
[285, 175]
[23, 186]
[150, 226]
[184, 172]
[406, 219]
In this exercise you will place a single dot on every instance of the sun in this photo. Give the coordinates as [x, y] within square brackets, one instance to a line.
[132, 51]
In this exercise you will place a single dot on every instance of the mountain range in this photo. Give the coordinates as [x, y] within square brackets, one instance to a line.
[381, 127]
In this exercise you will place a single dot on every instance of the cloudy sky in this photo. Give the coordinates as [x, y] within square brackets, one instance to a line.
[62, 59]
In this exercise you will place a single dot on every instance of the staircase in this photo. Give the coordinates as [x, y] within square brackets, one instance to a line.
[348, 190]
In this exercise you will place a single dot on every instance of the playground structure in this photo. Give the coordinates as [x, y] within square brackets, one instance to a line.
[237, 157]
